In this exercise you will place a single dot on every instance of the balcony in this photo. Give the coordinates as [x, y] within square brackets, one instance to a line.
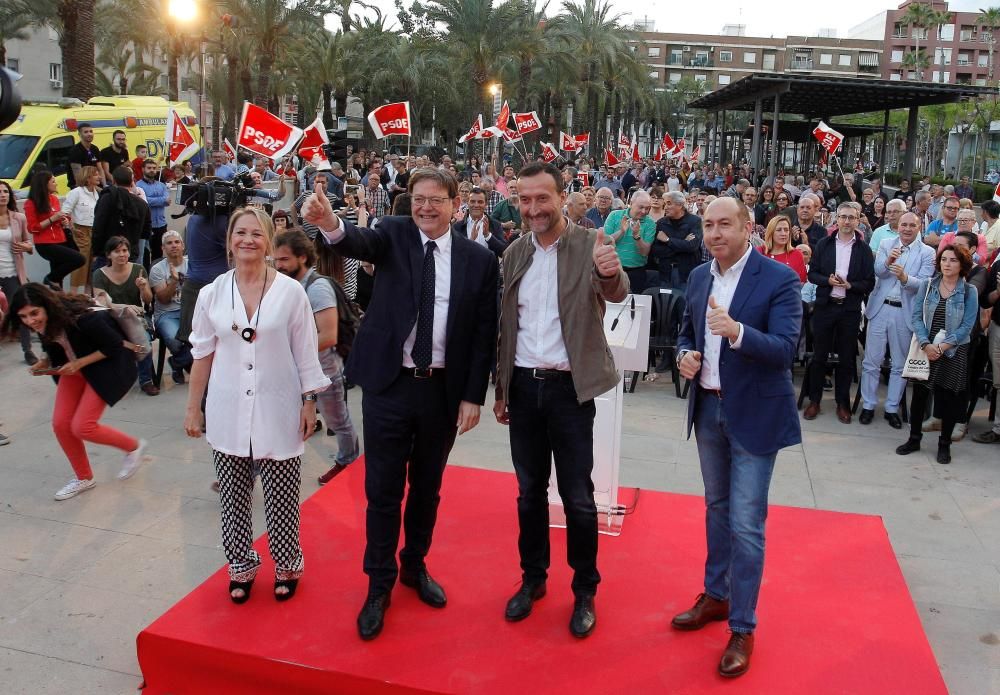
[899, 34]
[675, 60]
[963, 61]
[967, 36]
[801, 64]
[869, 69]
[701, 63]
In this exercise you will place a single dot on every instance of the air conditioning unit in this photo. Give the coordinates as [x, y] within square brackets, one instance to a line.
[686, 49]
[55, 84]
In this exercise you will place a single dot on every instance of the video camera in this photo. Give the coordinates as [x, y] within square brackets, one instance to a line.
[214, 197]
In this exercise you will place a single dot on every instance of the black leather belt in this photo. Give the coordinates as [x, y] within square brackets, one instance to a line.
[837, 300]
[893, 302]
[545, 374]
[418, 373]
[711, 392]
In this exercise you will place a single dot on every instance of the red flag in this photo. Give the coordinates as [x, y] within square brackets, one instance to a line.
[696, 153]
[680, 147]
[549, 153]
[313, 140]
[229, 150]
[504, 117]
[624, 143]
[583, 177]
[181, 144]
[527, 122]
[610, 158]
[511, 136]
[567, 143]
[996, 193]
[582, 140]
[658, 155]
[474, 131]
[390, 119]
[668, 145]
[829, 138]
[265, 134]
[635, 152]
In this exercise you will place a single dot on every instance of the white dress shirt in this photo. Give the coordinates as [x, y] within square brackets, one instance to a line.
[81, 203]
[843, 250]
[442, 292]
[723, 289]
[484, 229]
[255, 392]
[539, 329]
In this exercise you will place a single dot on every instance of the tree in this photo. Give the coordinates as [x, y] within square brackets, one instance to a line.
[915, 61]
[14, 24]
[919, 16]
[989, 20]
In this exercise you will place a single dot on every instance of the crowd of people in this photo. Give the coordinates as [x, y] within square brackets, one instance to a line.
[271, 288]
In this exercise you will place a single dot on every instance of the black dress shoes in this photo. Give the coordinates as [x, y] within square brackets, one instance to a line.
[429, 591]
[372, 615]
[584, 618]
[519, 606]
[867, 416]
[894, 421]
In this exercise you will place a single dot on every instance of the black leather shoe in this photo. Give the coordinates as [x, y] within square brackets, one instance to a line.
[894, 421]
[866, 417]
[519, 606]
[372, 615]
[430, 591]
[944, 450]
[584, 618]
[908, 448]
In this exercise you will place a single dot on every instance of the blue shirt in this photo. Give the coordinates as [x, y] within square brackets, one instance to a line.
[594, 215]
[225, 172]
[206, 248]
[940, 228]
[157, 198]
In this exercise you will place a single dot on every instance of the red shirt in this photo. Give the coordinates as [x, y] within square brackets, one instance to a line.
[793, 259]
[50, 234]
[137, 168]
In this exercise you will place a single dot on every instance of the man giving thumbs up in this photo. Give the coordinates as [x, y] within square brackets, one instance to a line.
[552, 361]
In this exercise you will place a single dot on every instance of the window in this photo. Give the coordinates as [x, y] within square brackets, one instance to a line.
[896, 77]
[980, 81]
[653, 51]
[968, 33]
[55, 72]
[676, 56]
[964, 59]
[724, 79]
[919, 33]
[946, 32]
[750, 57]
[725, 56]
[897, 55]
[942, 56]
[768, 61]
[700, 78]
[984, 60]
[844, 60]
[14, 64]
[655, 74]
[911, 75]
[675, 77]
[826, 59]
[898, 30]
[935, 76]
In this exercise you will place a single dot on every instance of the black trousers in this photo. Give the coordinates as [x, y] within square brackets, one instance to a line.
[835, 329]
[547, 422]
[189, 299]
[636, 279]
[950, 406]
[408, 436]
[62, 259]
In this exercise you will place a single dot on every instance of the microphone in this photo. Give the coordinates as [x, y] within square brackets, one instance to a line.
[632, 307]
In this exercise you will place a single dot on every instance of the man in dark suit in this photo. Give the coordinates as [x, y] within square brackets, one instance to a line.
[737, 342]
[422, 356]
[843, 270]
[479, 227]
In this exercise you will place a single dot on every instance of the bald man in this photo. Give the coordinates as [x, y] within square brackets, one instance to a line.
[576, 210]
[633, 231]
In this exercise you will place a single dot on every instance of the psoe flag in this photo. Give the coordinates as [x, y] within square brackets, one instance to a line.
[181, 144]
[549, 152]
[390, 119]
[503, 118]
[996, 193]
[610, 158]
[474, 131]
[829, 138]
[229, 150]
[313, 140]
[567, 143]
[582, 140]
[527, 122]
[265, 134]
[511, 136]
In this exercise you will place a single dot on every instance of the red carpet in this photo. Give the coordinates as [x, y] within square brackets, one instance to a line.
[835, 615]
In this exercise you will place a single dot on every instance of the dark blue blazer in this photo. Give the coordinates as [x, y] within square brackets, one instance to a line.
[758, 398]
[495, 243]
[377, 354]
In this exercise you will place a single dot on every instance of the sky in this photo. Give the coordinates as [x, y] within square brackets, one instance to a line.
[798, 19]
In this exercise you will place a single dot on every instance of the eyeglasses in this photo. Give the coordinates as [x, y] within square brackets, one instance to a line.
[848, 217]
[434, 201]
[951, 208]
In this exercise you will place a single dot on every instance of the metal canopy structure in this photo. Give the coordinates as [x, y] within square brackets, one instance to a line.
[822, 97]
[801, 131]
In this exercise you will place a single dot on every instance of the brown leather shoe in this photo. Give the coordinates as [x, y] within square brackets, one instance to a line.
[705, 610]
[844, 414]
[736, 659]
[811, 411]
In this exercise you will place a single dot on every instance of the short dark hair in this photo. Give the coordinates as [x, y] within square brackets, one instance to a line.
[148, 160]
[298, 243]
[444, 179]
[114, 242]
[539, 168]
[141, 147]
[81, 126]
[991, 208]
[402, 205]
[116, 133]
[963, 256]
[122, 175]
[970, 237]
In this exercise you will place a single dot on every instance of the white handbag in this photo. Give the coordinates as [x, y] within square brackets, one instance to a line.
[918, 365]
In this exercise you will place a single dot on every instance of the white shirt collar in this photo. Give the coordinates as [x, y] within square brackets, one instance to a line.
[736, 268]
[443, 242]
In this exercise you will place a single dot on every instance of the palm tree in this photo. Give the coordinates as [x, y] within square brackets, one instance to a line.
[14, 24]
[915, 61]
[919, 16]
[989, 20]
[73, 22]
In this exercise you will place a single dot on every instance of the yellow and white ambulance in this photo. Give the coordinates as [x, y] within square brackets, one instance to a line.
[44, 133]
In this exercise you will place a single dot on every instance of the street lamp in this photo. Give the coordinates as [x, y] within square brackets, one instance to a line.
[178, 12]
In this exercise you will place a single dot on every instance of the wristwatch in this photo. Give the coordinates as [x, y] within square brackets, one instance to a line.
[309, 397]
[680, 356]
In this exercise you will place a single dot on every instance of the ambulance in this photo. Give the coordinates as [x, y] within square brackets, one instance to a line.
[45, 131]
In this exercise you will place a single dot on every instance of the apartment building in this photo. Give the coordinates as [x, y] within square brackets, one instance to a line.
[958, 52]
[720, 59]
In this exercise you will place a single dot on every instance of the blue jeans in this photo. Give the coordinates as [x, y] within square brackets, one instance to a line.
[332, 403]
[736, 486]
[145, 367]
[167, 324]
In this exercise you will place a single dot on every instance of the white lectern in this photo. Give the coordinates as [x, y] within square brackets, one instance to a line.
[626, 326]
